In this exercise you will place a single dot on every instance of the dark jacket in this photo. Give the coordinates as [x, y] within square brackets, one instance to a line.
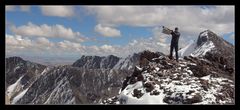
[175, 38]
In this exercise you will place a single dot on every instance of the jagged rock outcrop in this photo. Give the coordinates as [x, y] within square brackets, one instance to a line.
[147, 56]
[19, 75]
[16, 67]
[223, 49]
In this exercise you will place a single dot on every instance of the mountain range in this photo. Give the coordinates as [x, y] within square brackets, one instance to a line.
[206, 68]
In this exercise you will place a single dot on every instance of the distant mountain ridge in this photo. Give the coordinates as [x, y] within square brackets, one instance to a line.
[96, 62]
[87, 80]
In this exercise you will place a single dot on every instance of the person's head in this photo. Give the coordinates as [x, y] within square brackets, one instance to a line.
[176, 28]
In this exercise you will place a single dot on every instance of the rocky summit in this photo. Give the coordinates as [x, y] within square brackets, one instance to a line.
[205, 74]
[190, 81]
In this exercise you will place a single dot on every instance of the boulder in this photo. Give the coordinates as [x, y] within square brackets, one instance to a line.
[137, 93]
[205, 84]
[177, 99]
[164, 62]
[149, 86]
[195, 99]
[155, 92]
[140, 77]
[199, 70]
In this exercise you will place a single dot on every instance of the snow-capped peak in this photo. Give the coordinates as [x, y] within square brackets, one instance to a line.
[198, 48]
[202, 50]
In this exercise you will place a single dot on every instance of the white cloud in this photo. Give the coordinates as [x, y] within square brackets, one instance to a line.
[158, 35]
[191, 20]
[44, 30]
[146, 44]
[10, 8]
[59, 11]
[70, 46]
[23, 8]
[107, 31]
[134, 42]
[130, 15]
[17, 40]
[44, 42]
[18, 45]
[107, 48]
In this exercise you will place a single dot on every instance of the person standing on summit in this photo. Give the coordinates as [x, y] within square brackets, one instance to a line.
[174, 42]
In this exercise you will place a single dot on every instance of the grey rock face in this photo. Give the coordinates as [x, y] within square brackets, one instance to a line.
[222, 47]
[88, 62]
[109, 62]
[17, 67]
[96, 62]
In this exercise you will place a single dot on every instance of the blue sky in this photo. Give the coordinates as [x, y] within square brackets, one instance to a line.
[105, 30]
[84, 24]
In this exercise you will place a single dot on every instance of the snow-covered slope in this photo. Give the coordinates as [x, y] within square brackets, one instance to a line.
[126, 96]
[199, 47]
[20, 74]
[14, 88]
[128, 63]
[178, 88]
[201, 51]
[19, 96]
[193, 50]
[164, 81]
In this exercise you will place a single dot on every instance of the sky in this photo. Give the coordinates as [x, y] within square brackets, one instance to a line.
[72, 31]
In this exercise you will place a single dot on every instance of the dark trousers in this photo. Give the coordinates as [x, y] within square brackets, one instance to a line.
[176, 51]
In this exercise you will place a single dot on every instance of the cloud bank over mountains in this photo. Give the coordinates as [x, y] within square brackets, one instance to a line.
[37, 39]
